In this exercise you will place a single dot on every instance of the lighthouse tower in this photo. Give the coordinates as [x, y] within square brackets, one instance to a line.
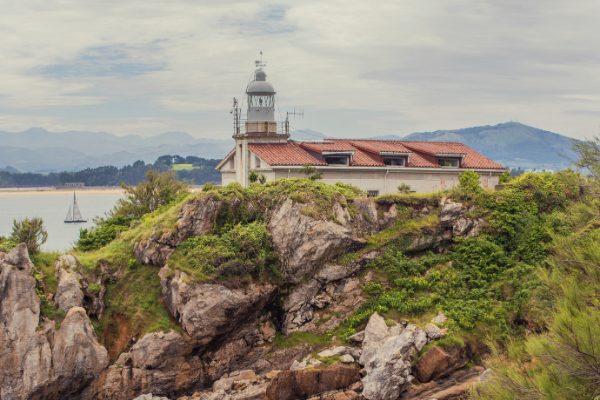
[260, 126]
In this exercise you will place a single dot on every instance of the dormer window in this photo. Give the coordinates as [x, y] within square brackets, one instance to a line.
[337, 160]
[395, 161]
[448, 163]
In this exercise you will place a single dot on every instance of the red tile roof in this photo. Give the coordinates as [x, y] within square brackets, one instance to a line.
[330, 146]
[434, 148]
[380, 146]
[283, 154]
[295, 154]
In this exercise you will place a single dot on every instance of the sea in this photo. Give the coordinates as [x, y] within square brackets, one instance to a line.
[53, 210]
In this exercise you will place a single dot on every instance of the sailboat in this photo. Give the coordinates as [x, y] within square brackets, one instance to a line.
[74, 216]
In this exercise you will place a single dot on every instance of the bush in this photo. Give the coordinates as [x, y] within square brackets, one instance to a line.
[252, 176]
[29, 231]
[404, 188]
[107, 230]
[469, 182]
[159, 189]
[242, 250]
[6, 245]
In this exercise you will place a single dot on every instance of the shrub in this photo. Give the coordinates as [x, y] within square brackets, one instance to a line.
[207, 187]
[106, 231]
[404, 188]
[310, 172]
[469, 182]
[159, 189]
[373, 288]
[252, 176]
[29, 231]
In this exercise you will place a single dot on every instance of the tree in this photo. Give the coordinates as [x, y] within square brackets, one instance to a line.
[505, 177]
[262, 178]
[469, 182]
[29, 231]
[158, 189]
[310, 172]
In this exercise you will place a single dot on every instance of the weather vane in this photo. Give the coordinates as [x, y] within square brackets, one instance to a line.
[259, 63]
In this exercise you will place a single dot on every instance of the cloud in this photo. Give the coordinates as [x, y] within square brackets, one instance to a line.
[398, 66]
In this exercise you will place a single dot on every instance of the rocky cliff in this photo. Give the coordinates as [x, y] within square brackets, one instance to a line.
[253, 334]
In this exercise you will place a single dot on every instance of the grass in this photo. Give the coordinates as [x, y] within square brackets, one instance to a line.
[44, 263]
[402, 230]
[180, 167]
[296, 338]
[135, 295]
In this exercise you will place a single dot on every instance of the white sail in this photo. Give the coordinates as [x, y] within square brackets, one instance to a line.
[69, 215]
[76, 213]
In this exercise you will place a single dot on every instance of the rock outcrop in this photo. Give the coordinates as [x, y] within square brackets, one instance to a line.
[452, 215]
[290, 385]
[68, 293]
[209, 310]
[305, 243]
[46, 363]
[439, 362]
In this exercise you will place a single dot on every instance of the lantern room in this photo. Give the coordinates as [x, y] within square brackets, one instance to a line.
[261, 98]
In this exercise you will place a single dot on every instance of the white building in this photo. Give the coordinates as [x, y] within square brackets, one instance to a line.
[376, 166]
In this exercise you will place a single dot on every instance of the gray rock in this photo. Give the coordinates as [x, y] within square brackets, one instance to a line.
[357, 337]
[208, 310]
[150, 397]
[388, 370]
[68, 291]
[347, 359]
[440, 319]
[41, 362]
[450, 211]
[433, 332]
[461, 226]
[304, 243]
[486, 376]
[157, 350]
[375, 332]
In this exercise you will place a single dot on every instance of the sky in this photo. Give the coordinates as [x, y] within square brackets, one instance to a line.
[356, 68]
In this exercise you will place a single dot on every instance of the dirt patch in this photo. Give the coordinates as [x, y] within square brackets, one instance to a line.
[117, 335]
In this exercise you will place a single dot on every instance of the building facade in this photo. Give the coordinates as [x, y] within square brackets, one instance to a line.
[376, 166]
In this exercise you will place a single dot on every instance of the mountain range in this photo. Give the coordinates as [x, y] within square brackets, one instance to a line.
[37, 150]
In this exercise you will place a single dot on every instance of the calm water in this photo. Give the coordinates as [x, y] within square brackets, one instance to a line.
[53, 210]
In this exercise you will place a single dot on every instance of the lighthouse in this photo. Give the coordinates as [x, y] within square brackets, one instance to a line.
[259, 127]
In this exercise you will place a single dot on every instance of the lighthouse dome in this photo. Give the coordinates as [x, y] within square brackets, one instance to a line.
[260, 86]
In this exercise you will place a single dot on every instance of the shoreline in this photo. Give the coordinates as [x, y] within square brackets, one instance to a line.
[62, 192]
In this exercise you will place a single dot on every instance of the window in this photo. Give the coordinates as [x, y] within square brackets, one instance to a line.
[257, 162]
[337, 160]
[372, 193]
[394, 161]
[443, 162]
[232, 162]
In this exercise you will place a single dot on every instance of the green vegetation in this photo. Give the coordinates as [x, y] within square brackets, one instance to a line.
[562, 360]
[296, 338]
[159, 189]
[404, 188]
[6, 244]
[104, 233]
[310, 172]
[488, 285]
[181, 167]
[240, 251]
[29, 231]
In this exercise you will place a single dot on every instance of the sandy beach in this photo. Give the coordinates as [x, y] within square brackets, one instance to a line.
[61, 192]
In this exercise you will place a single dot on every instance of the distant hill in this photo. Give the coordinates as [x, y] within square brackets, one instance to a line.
[511, 144]
[38, 150]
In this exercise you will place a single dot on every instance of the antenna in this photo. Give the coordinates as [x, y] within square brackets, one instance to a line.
[259, 63]
[300, 114]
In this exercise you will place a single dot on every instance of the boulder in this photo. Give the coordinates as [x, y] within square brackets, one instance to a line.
[438, 362]
[455, 386]
[357, 337]
[196, 218]
[440, 319]
[151, 252]
[347, 359]
[268, 331]
[388, 370]
[304, 243]
[209, 310]
[157, 350]
[433, 332]
[68, 293]
[289, 385]
[375, 332]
